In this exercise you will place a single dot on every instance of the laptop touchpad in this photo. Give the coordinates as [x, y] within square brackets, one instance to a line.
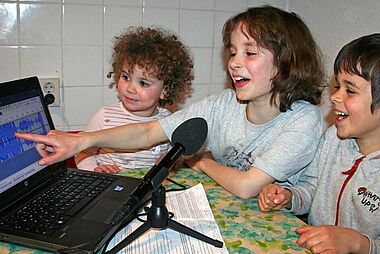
[100, 212]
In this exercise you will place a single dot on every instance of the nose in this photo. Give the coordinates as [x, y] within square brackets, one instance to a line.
[130, 87]
[235, 63]
[337, 96]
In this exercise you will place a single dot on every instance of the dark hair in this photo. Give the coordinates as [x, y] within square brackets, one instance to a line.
[300, 74]
[362, 57]
[160, 53]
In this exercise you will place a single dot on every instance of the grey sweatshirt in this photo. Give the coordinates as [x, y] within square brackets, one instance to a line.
[359, 202]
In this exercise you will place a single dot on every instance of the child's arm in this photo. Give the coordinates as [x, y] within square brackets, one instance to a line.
[274, 197]
[333, 239]
[57, 145]
[244, 184]
[86, 159]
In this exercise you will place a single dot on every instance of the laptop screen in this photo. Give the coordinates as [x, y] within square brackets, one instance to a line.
[20, 111]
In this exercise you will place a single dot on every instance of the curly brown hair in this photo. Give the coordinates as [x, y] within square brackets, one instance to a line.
[300, 73]
[160, 53]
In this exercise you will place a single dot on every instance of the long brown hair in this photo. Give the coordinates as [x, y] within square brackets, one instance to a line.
[300, 73]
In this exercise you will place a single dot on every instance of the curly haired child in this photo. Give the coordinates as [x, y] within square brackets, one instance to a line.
[151, 69]
[340, 189]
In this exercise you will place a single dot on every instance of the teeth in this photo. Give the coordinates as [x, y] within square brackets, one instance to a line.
[240, 78]
[340, 113]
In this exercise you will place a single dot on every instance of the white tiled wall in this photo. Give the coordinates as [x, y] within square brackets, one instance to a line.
[72, 39]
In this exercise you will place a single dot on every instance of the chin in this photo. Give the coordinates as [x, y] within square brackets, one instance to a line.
[342, 134]
[241, 96]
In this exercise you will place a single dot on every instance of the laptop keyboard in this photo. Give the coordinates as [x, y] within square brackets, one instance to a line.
[52, 209]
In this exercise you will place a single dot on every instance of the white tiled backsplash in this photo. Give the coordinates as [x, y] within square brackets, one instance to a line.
[72, 39]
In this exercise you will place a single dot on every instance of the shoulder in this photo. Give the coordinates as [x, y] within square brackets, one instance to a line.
[212, 104]
[331, 132]
[331, 139]
[100, 113]
[117, 107]
[224, 105]
[341, 150]
[227, 95]
[97, 120]
[305, 107]
[162, 112]
[219, 101]
[303, 114]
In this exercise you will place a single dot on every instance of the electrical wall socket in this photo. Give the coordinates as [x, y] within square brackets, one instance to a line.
[50, 87]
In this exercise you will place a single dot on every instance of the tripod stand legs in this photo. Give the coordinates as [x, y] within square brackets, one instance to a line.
[158, 217]
[176, 226]
[130, 238]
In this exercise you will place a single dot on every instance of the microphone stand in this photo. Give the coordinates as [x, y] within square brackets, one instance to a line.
[187, 139]
[158, 217]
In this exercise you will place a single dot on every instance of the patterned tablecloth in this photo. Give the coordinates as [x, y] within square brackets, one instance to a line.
[243, 227]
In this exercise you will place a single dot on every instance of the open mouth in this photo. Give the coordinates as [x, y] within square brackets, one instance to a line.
[240, 81]
[340, 115]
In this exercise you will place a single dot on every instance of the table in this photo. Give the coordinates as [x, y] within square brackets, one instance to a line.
[244, 228]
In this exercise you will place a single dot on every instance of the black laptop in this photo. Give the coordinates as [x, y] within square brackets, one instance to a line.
[50, 207]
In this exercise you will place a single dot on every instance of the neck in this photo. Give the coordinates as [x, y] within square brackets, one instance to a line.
[261, 114]
[368, 146]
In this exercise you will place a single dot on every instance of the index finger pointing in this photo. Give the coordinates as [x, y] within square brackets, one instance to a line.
[32, 137]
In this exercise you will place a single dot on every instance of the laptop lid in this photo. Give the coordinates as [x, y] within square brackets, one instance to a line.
[23, 109]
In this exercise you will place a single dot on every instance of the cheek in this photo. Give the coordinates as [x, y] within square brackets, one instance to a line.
[262, 69]
[118, 88]
[270, 70]
[121, 85]
[358, 110]
[229, 68]
[150, 95]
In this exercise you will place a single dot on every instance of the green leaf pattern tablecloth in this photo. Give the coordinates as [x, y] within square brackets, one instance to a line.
[243, 227]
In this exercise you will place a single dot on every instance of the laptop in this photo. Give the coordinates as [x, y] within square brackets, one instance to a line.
[60, 209]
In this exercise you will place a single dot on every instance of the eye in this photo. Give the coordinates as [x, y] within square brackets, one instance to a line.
[347, 89]
[125, 77]
[251, 53]
[336, 86]
[232, 52]
[144, 84]
[350, 89]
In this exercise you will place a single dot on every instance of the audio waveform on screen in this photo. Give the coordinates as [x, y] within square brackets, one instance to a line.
[10, 146]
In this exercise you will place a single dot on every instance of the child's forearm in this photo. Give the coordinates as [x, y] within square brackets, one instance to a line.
[130, 136]
[244, 184]
[85, 154]
[88, 163]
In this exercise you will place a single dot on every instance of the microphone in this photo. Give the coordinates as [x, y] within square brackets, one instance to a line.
[187, 139]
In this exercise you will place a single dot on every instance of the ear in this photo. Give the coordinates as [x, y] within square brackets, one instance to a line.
[163, 94]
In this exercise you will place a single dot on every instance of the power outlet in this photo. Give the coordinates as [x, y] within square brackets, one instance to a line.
[50, 87]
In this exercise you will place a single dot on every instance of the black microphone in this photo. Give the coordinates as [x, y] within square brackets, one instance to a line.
[187, 139]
